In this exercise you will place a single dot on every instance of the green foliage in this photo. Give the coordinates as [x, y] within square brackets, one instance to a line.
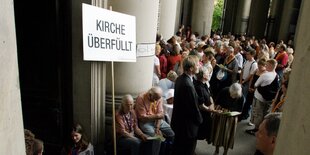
[217, 15]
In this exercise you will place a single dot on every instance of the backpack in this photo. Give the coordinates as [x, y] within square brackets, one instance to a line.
[269, 92]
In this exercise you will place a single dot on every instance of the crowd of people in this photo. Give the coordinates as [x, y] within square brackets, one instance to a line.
[217, 82]
[202, 87]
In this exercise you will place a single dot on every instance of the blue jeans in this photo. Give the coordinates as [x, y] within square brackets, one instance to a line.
[149, 128]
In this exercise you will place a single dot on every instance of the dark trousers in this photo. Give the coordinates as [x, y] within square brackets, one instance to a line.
[247, 106]
[184, 145]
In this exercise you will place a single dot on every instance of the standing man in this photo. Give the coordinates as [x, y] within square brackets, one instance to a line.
[266, 86]
[247, 73]
[186, 116]
[282, 59]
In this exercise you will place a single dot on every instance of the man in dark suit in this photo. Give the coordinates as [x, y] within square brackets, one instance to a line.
[186, 116]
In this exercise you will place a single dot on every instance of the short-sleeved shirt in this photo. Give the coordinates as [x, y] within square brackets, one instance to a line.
[145, 107]
[264, 80]
[249, 68]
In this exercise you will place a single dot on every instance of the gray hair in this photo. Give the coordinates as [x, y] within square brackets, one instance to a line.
[235, 90]
[218, 43]
[125, 98]
[202, 71]
[155, 91]
[230, 49]
[272, 123]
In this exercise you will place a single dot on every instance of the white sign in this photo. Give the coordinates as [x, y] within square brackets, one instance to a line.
[108, 35]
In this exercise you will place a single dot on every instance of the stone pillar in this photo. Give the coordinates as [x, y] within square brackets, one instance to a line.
[229, 16]
[294, 135]
[134, 77]
[178, 15]
[167, 17]
[274, 20]
[242, 17]
[202, 16]
[289, 19]
[11, 121]
[81, 72]
[89, 80]
[258, 18]
[98, 93]
[186, 12]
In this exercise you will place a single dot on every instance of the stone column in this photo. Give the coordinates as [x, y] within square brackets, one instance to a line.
[89, 80]
[258, 18]
[186, 12]
[81, 72]
[11, 119]
[134, 77]
[202, 16]
[242, 17]
[289, 19]
[229, 16]
[178, 15]
[98, 93]
[274, 20]
[167, 17]
[294, 135]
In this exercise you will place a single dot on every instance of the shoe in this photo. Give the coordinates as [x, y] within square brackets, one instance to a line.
[251, 132]
[250, 124]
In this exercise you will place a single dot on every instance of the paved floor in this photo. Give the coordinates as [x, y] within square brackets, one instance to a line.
[244, 143]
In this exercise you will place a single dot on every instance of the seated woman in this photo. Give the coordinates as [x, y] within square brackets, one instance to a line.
[129, 136]
[224, 126]
[79, 144]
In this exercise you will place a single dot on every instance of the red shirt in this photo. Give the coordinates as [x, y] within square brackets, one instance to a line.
[172, 60]
[282, 58]
[163, 66]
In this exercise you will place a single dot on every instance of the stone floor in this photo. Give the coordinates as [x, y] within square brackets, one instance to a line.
[244, 143]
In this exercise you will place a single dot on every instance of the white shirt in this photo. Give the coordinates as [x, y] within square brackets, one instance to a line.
[239, 59]
[165, 84]
[264, 80]
[156, 61]
[209, 67]
[248, 70]
[155, 77]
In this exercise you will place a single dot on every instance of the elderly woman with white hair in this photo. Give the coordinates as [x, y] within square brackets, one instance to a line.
[230, 99]
[290, 52]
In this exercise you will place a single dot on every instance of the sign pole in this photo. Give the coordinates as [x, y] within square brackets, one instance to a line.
[113, 108]
[113, 104]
